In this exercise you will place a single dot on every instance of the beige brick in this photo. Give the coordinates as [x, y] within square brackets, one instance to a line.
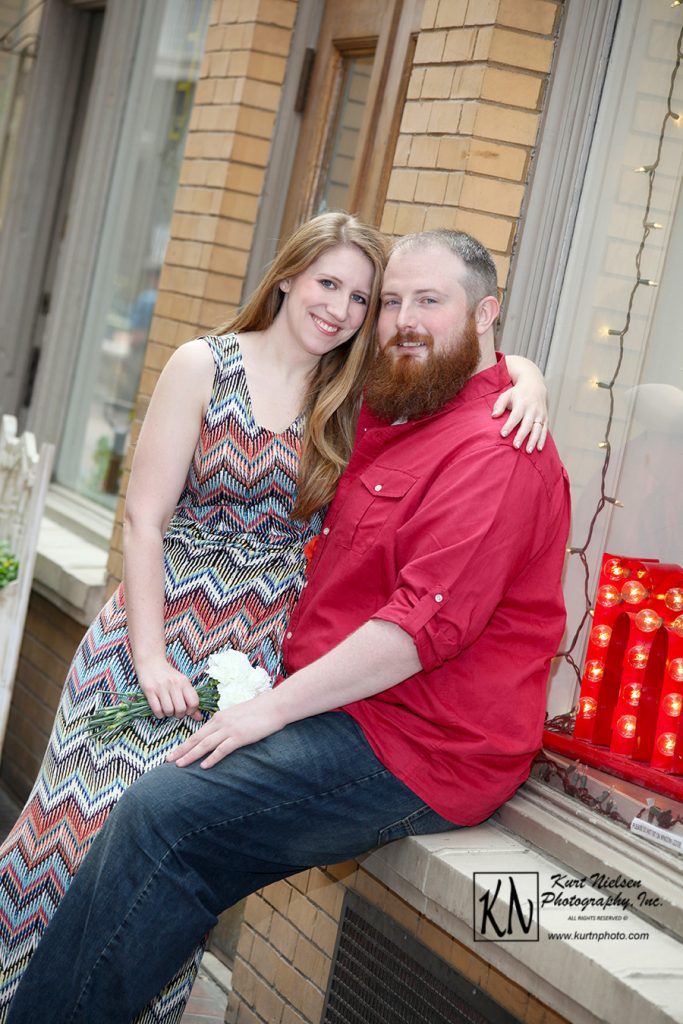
[402, 185]
[467, 81]
[283, 936]
[325, 933]
[440, 217]
[491, 196]
[388, 218]
[506, 125]
[326, 894]
[301, 881]
[430, 48]
[250, 150]
[498, 161]
[291, 985]
[520, 50]
[402, 151]
[459, 45]
[277, 895]
[312, 962]
[429, 12]
[264, 958]
[263, 95]
[424, 151]
[241, 207]
[444, 117]
[482, 45]
[232, 234]
[469, 964]
[437, 83]
[292, 1016]
[267, 68]
[277, 12]
[454, 189]
[243, 980]
[344, 872]
[481, 12]
[312, 1002]
[431, 186]
[258, 915]
[537, 1013]
[255, 122]
[224, 90]
[528, 15]
[502, 269]
[267, 1003]
[245, 1015]
[271, 39]
[204, 91]
[409, 219]
[223, 289]
[415, 117]
[450, 13]
[417, 77]
[302, 913]
[513, 89]
[493, 232]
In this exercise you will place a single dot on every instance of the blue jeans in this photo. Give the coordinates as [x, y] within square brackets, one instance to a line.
[185, 843]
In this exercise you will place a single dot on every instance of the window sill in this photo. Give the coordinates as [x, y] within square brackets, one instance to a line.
[71, 560]
[586, 981]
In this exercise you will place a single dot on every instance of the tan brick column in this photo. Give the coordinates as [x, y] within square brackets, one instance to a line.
[471, 119]
[221, 181]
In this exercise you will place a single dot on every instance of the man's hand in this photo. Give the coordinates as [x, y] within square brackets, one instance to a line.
[228, 730]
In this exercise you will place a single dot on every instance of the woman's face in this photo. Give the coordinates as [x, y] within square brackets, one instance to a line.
[326, 304]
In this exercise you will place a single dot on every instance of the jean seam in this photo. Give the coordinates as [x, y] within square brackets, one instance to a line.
[193, 832]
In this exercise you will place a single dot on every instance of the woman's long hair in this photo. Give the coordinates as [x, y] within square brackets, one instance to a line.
[334, 392]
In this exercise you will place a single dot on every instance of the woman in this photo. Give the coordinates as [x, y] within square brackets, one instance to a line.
[264, 418]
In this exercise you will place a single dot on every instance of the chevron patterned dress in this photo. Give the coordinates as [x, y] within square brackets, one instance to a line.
[234, 566]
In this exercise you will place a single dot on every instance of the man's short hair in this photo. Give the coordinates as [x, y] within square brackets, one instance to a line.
[480, 277]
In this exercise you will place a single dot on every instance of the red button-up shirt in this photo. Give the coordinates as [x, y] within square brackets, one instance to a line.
[441, 526]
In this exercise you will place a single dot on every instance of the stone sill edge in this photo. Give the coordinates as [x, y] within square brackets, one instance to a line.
[580, 981]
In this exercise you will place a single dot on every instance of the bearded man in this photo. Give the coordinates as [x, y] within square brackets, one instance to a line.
[417, 662]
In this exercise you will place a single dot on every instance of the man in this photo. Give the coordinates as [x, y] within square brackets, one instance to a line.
[432, 610]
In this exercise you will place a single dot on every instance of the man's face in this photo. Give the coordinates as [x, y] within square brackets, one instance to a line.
[429, 344]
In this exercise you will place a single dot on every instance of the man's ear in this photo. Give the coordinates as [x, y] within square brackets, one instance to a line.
[284, 285]
[486, 314]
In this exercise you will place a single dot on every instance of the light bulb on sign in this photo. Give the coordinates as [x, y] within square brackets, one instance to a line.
[608, 596]
[648, 621]
[616, 570]
[638, 655]
[666, 744]
[677, 625]
[631, 693]
[673, 599]
[588, 707]
[672, 704]
[594, 671]
[676, 669]
[600, 635]
[633, 592]
[626, 726]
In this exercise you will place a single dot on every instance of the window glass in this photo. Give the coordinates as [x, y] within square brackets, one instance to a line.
[336, 179]
[19, 24]
[136, 229]
[615, 366]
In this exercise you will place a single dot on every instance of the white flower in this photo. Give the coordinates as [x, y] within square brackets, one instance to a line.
[236, 678]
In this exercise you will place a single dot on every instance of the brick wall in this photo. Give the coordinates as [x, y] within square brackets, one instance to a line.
[221, 180]
[471, 119]
[49, 642]
[287, 942]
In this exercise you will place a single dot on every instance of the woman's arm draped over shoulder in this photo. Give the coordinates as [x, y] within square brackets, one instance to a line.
[162, 459]
[527, 402]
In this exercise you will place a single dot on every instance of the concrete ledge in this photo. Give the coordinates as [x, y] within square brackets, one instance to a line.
[586, 980]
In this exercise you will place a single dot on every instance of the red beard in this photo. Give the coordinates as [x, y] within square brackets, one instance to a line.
[405, 387]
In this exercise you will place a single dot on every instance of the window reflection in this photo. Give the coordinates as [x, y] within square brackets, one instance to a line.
[333, 192]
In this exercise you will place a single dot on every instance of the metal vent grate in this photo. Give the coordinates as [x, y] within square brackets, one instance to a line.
[382, 975]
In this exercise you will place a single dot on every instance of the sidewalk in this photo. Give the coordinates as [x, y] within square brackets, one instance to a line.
[209, 997]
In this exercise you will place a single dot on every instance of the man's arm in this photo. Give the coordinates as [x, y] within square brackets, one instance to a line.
[375, 657]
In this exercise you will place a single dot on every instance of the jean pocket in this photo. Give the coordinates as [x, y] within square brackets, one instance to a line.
[422, 822]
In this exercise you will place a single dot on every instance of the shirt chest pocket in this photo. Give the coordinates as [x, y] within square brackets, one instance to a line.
[371, 501]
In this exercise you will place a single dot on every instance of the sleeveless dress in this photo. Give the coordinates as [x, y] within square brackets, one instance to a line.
[234, 566]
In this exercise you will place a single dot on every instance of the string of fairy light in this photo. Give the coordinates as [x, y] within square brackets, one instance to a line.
[640, 281]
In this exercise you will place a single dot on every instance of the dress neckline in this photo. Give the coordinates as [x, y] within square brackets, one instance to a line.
[292, 428]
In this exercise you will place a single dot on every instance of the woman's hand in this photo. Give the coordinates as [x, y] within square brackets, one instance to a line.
[228, 730]
[168, 691]
[527, 401]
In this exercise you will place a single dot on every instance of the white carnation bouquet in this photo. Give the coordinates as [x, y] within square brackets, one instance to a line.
[232, 679]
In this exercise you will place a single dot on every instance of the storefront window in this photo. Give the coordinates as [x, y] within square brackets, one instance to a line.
[615, 365]
[140, 205]
[19, 25]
